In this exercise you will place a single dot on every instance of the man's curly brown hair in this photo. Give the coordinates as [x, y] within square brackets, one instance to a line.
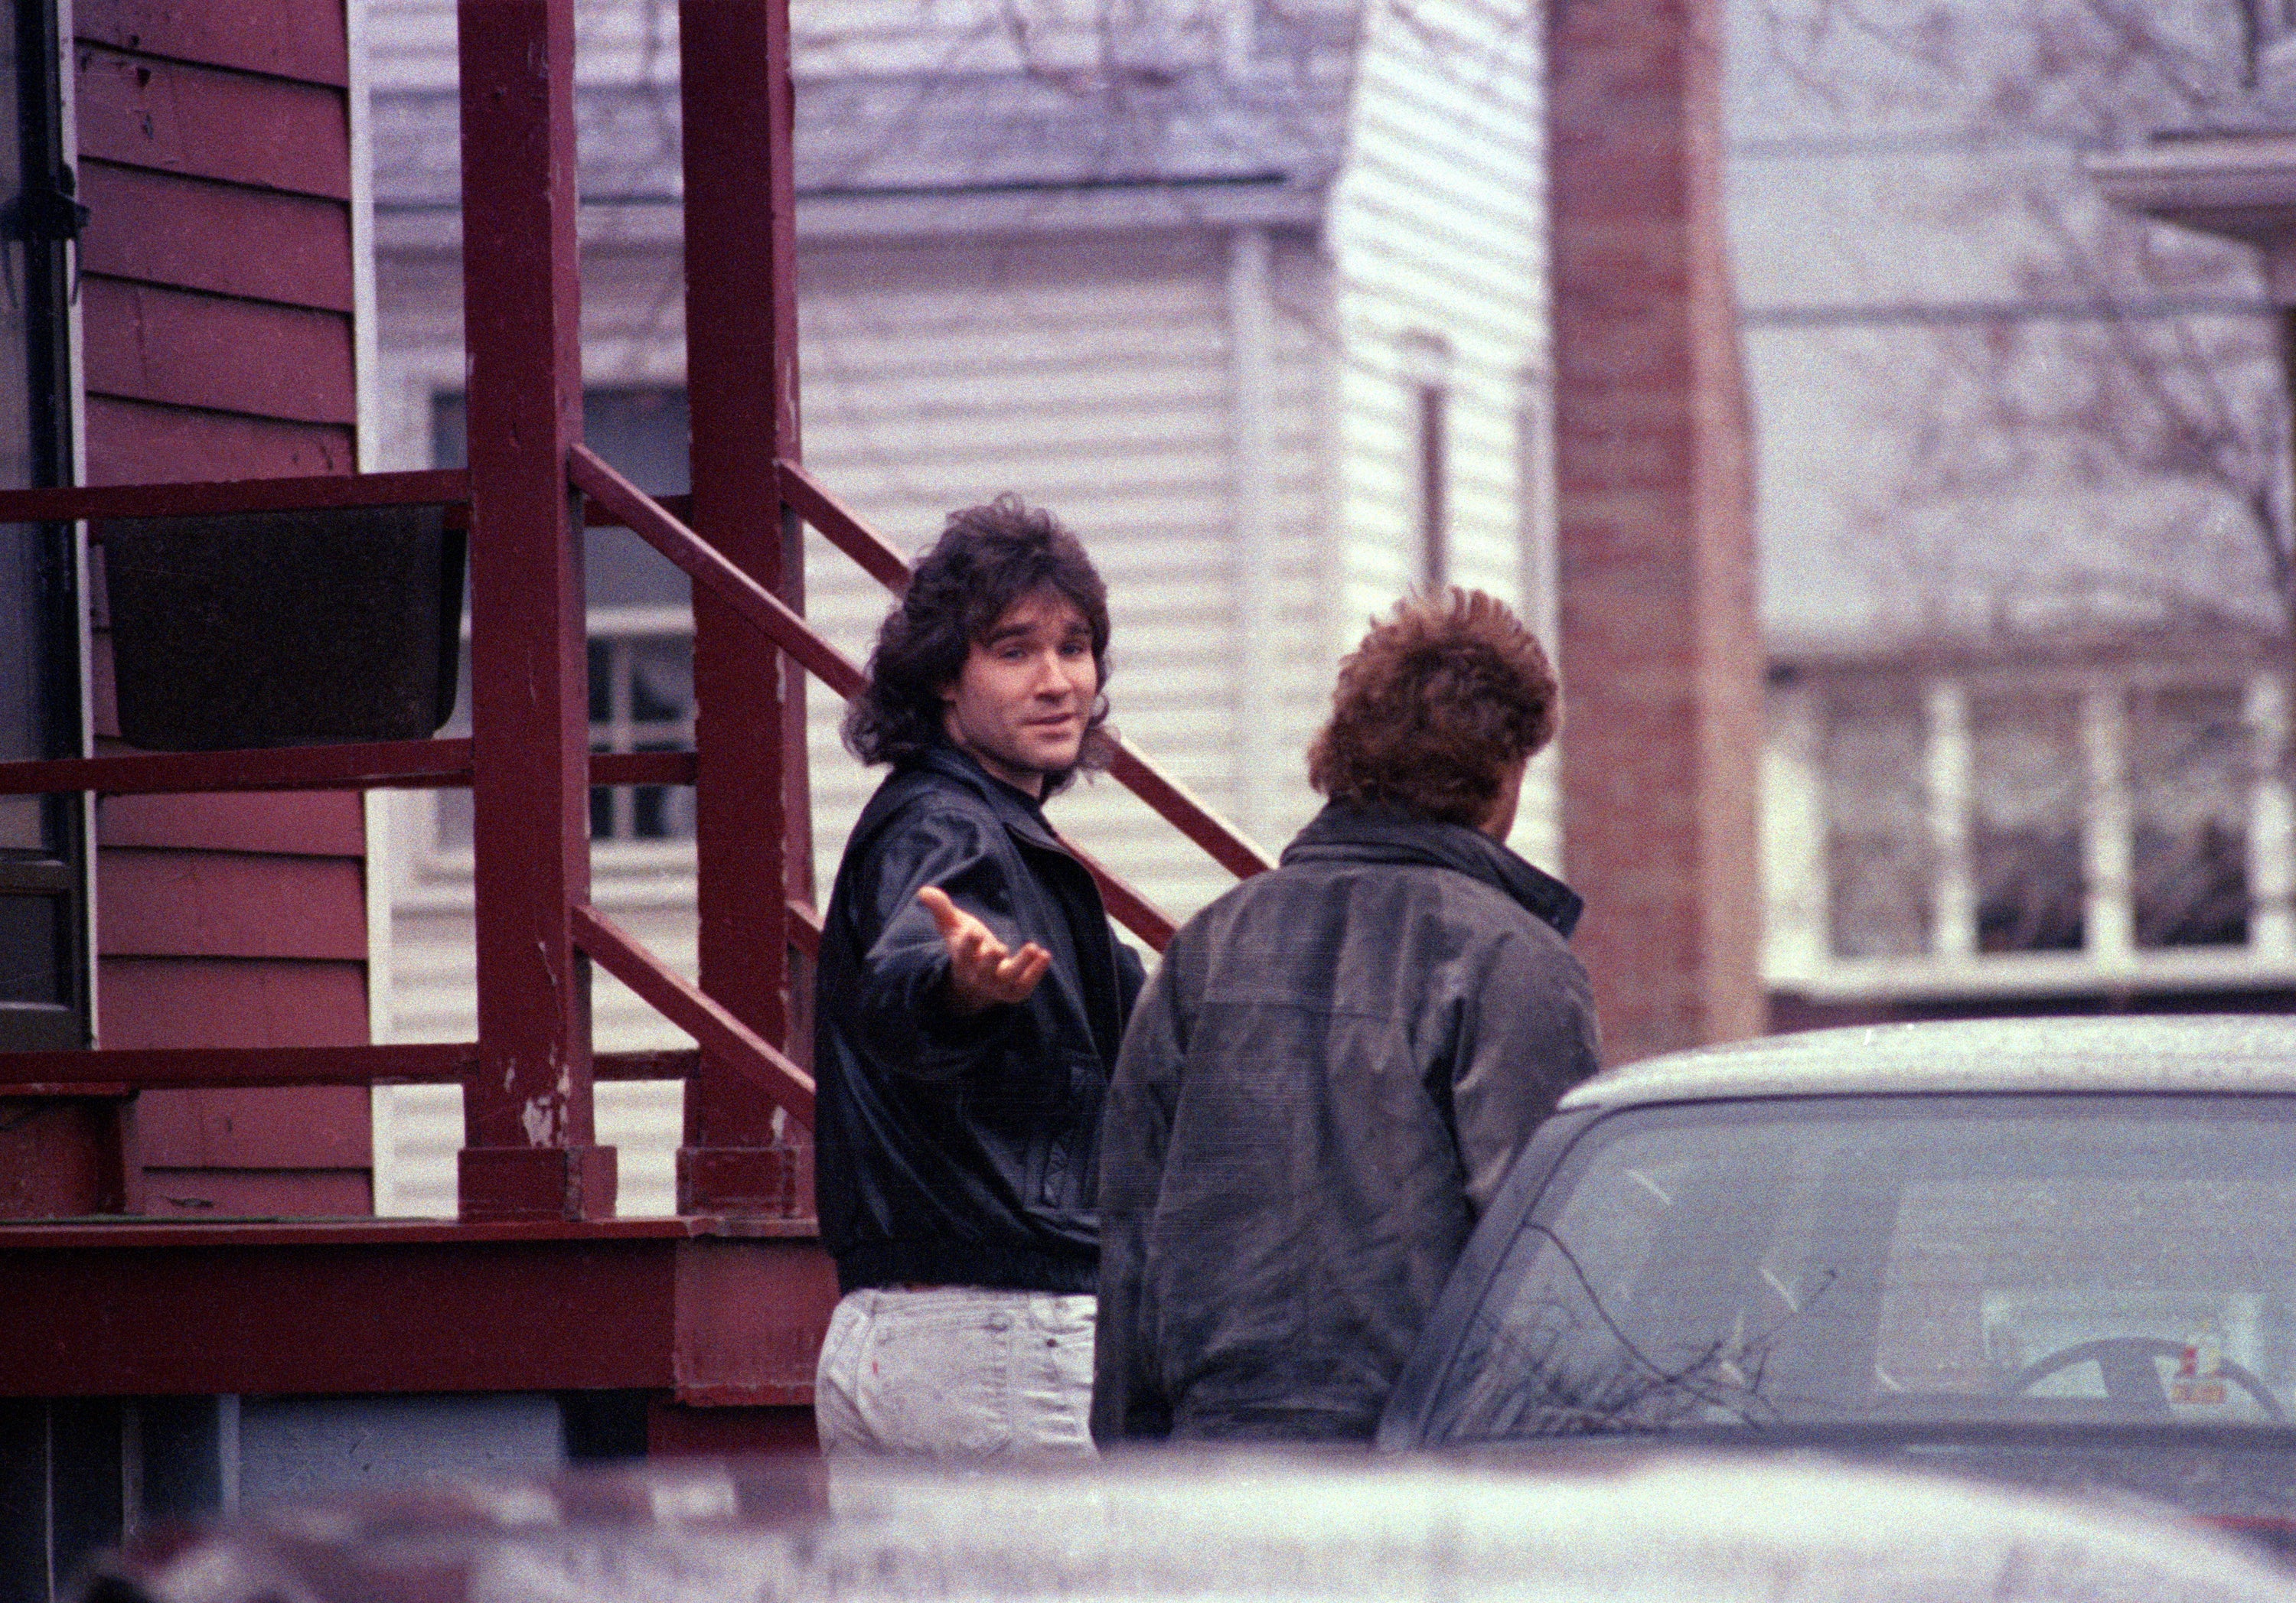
[1437, 703]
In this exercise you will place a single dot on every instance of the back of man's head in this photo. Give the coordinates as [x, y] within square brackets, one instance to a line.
[1435, 709]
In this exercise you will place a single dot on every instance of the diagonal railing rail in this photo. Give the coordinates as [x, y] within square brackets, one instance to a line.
[653, 522]
[684, 1004]
[842, 529]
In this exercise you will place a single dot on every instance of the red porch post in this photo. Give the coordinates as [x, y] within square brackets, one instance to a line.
[530, 1152]
[752, 816]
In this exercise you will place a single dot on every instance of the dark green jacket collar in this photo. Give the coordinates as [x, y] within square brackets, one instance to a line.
[1346, 833]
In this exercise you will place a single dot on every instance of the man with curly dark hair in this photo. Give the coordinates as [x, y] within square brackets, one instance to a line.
[970, 999]
[1324, 1084]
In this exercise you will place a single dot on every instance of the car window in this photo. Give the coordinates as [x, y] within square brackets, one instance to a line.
[1835, 1259]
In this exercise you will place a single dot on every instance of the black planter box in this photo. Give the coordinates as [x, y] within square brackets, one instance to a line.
[283, 628]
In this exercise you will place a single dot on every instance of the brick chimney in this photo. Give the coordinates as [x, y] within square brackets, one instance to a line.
[1661, 653]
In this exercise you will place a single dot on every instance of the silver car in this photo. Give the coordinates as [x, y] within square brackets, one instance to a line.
[2056, 1251]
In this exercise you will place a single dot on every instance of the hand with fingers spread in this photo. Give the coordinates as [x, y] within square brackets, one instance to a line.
[981, 971]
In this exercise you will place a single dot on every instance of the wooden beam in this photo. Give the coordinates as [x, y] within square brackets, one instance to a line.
[680, 1002]
[318, 492]
[388, 766]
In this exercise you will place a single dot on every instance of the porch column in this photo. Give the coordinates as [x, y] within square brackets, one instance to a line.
[529, 1150]
[754, 837]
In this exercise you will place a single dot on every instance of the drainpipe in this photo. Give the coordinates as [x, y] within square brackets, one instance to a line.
[1250, 529]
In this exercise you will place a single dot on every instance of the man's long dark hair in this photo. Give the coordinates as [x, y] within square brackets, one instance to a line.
[987, 559]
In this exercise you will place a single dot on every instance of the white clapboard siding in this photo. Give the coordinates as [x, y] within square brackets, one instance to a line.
[1435, 230]
[1096, 379]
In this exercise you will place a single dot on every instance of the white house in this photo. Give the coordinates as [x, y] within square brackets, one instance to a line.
[1254, 297]
[2029, 697]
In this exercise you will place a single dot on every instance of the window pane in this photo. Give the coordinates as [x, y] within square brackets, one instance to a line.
[27, 615]
[1878, 858]
[31, 937]
[2027, 775]
[2189, 761]
[642, 700]
[645, 435]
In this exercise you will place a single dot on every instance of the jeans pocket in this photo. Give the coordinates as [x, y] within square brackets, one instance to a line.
[849, 1322]
[836, 1377]
[935, 1377]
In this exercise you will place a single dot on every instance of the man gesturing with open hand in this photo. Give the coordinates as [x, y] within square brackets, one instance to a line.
[971, 1002]
[980, 969]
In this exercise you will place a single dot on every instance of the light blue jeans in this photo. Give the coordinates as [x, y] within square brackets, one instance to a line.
[956, 1371]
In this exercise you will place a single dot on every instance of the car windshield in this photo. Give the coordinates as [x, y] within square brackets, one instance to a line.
[1823, 1261]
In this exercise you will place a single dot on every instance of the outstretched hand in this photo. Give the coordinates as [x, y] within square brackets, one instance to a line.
[981, 971]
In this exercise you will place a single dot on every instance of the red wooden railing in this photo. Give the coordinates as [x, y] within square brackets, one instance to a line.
[530, 1150]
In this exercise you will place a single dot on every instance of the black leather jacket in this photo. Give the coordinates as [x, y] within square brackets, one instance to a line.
[952, 1150]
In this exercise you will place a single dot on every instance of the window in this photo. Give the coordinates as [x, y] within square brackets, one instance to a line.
[1990, 817]
[1878, 857]
[646, 436]
[43, 915]
[641, 699]
[2188, 759]
[1918, 1259]
[1426, 366]
[2026, 778]
[641, 622]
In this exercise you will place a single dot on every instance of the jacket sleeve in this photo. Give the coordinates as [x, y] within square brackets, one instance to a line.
[1526, 1034]
[1127, 1400]
[902, 1013]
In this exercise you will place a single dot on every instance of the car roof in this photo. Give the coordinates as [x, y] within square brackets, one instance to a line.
[2244, 1054]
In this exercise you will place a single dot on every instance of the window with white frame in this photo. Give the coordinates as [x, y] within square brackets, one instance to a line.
[2189, 759]
[1427, 374]
[2101, 815]
[640, 623]
[1877, 843]
[2028, 786]
[641, 699]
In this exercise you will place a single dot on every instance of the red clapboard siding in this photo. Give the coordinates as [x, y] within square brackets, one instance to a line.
[190, 904]
[215, 149]
[290, 38]
[324, 1127]
[326, 824]
[148, 344]
[136, 442]
[196, 235]
[260, 131]
[220, 1001]
[255, 1194]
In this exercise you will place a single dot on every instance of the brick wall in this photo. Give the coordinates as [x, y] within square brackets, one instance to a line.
[1660, 651]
